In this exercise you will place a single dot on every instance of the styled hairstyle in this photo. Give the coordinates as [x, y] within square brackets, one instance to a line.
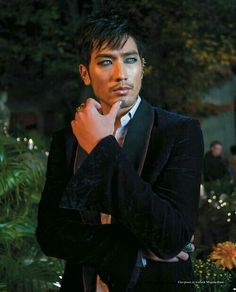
[233, 149]
[215, 142]
[110, 30]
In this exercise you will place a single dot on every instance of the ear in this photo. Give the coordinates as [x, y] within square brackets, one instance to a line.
[143, 62]
[84, 74]
[143, 65]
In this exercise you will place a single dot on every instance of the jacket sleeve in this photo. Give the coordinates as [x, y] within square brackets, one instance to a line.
[162, 215]
[60, 232]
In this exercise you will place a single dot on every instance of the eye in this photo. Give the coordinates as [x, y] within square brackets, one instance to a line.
[105, 63]
[130, 60]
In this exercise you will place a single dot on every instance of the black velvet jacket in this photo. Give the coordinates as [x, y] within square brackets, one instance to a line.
[150, 186]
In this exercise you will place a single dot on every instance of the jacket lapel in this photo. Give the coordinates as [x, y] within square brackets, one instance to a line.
[138, 136]
[161, 142]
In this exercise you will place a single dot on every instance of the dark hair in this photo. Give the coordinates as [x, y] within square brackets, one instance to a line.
[99, 29]
[233, 149]
[215, 142]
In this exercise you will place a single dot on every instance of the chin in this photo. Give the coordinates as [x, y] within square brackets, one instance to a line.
[126, 103]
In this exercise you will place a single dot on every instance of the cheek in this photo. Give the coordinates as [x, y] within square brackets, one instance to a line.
[135, 74]
[137, 81]
[100, 78]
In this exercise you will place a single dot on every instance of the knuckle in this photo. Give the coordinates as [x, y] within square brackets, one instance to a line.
[89, 101]
[78, 114]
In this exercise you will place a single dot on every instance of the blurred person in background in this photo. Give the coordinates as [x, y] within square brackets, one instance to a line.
[232, 163]
[215, 167]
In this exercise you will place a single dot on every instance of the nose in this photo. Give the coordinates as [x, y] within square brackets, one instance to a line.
[120, 72]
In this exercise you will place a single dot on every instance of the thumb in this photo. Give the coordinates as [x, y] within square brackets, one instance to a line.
[114, 109]
[96, 104]
[92, 103]
[183, 256]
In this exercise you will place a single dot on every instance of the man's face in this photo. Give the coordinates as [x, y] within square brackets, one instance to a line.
[115, 74]
[217, 150]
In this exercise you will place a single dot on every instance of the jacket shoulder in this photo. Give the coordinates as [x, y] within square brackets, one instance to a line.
[62, 132]
[65, 140]
[172, 117]
[65, 137]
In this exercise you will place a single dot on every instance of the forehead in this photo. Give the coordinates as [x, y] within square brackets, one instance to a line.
[126, 46]
[217, 146]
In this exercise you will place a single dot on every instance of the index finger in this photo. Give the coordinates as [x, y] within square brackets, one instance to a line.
[90, 102]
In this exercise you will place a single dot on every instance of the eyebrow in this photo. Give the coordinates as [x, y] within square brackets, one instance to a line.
[134, 52]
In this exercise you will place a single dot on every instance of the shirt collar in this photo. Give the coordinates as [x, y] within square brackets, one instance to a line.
[129, 115]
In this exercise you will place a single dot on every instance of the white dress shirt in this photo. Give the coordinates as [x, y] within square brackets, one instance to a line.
[124, 121]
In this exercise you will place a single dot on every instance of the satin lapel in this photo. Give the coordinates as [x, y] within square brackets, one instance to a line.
[138, 135]
[161, 142]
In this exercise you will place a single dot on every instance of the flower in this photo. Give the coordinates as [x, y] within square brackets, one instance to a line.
[224, 254]
[210, 277]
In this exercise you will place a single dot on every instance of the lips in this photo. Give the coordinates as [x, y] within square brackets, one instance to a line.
[122, 90]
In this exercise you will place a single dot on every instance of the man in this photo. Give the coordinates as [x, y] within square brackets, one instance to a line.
[214, 166]
[121, 197]
[232, 163]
